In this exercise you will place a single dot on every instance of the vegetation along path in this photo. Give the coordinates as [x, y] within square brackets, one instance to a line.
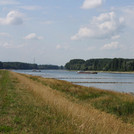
[32, 104]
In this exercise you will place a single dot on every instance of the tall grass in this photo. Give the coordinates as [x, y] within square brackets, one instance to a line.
[58, 95]
[119, 104]
[22, 112]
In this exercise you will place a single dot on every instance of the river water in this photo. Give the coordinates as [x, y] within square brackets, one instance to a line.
[110, 81]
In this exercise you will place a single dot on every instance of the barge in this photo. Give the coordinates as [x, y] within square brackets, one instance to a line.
[86, 72]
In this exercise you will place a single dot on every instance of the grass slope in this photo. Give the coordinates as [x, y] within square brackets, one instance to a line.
[31, 105]
[23, 113]
[119, 104]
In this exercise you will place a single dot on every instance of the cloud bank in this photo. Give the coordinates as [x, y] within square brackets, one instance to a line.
[12, 18]
[112, 45]
[104, 26]
[33, 36]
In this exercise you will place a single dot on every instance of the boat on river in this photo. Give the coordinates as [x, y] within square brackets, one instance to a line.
[86, 72]
[34, 70]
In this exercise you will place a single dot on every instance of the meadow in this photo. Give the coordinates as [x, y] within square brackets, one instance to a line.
[32, 104]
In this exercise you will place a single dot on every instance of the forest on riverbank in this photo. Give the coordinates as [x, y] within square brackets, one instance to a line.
[106, 64]
[21, 65]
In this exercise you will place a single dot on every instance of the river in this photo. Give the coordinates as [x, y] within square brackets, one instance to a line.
[111, 81]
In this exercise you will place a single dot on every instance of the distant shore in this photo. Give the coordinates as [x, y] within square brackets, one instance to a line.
[116, 72]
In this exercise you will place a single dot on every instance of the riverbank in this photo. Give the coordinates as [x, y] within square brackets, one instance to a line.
[116, 72]
[32, 104]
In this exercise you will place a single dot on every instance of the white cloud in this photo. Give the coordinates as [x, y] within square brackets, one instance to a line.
[83, 32]
[9, 2]
[88, 4]
[32, 8]
[112, 45]
[6, 45]
[10, 45]
[64, 46]
[12, 18]
[104, 17]
[103, 26]
[33, 36]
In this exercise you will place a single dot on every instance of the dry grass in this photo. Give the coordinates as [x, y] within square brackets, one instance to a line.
[23, 112]
[86, 119]
[119, 104]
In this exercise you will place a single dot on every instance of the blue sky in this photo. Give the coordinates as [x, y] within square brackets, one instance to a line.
[55, 31]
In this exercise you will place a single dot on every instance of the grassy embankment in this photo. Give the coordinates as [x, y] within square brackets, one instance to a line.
[31, 104]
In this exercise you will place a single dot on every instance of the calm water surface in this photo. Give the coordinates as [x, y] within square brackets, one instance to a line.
[110, 81]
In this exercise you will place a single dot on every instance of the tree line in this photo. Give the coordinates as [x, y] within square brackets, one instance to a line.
[106, 64]
[26, 66]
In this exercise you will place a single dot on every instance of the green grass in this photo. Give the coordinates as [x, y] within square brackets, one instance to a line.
[123, 109]
[23, 113]
[5, 129]
[82, 93]
[119, 104]
[115, 106]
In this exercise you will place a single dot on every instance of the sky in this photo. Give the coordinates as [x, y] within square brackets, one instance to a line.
[55, 31]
